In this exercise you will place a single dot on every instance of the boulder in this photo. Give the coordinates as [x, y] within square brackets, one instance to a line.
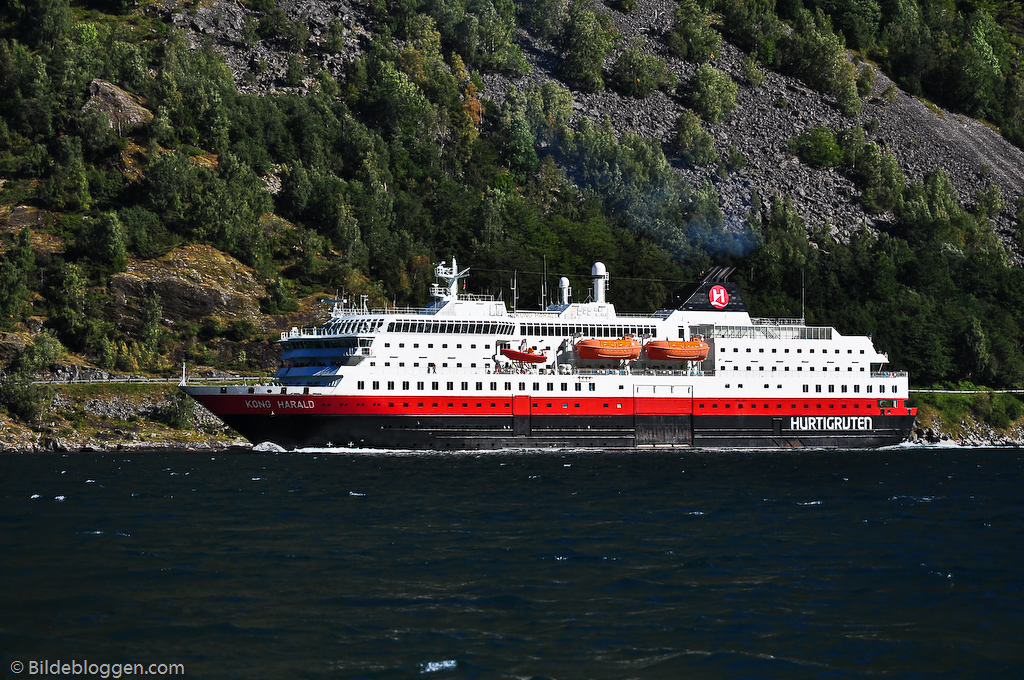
[123, 110]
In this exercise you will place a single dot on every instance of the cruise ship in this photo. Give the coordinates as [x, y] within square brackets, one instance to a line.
[464, 372]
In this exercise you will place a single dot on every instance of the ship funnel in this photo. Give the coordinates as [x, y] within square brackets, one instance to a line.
[564, 289]
[600, 274]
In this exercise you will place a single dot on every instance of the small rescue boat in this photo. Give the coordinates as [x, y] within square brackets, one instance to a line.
[623, 349]
[529, 356]
[677, 350]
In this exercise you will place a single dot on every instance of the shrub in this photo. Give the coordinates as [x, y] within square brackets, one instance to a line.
[638, 74]
[693, 143]
[752, 72]
[178, 410]
[713, 94]
[817, 146]
[865, 81]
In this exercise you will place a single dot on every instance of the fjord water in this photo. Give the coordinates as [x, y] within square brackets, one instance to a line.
[896, 563]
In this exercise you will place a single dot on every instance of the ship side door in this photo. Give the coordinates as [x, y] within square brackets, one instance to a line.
[521, 415]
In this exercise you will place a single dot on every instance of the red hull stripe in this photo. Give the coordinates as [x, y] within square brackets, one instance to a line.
[566, 403]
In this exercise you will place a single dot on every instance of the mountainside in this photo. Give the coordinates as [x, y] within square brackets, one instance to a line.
[922, 137]
[181, 181]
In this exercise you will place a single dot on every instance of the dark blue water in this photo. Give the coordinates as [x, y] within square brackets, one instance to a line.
[903, 563]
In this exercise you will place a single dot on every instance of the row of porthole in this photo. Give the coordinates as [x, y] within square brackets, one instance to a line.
[785, 350]
[831, 388]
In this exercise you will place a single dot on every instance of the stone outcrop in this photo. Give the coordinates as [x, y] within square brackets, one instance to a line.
[123, 110]
[193, 282]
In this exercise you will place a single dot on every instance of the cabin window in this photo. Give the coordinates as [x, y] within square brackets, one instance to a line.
[360, 385]
[376, 384]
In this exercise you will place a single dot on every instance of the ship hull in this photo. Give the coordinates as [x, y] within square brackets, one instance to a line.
[488, 431]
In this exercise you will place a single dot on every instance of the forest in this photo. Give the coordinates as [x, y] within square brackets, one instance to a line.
[403, 161]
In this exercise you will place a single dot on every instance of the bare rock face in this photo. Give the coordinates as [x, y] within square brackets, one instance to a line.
[12, 345]
[193, 282]
[122, 109]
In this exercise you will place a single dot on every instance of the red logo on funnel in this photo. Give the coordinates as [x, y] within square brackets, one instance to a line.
[719, 297]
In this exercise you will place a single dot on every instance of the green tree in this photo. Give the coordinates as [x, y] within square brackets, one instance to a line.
[543, 18]
[14, 290]
[69, 187]
[587, 39]
[691, 36]
[101, 241]
[817, 55]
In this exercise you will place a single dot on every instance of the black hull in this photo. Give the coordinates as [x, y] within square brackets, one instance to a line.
[510, 432]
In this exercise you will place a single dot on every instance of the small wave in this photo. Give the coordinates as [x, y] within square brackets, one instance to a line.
[810, 503]
[435, 666]
[35, 496]
[355, 493]
[90, 481]
[60, 499]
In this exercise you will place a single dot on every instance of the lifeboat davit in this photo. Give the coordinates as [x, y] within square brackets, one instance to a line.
[621, 349]
[529, 356]
[677, 350]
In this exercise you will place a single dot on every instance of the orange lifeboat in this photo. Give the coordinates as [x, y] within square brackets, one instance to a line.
[622, 349]
[530, 356]
[677, 350]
